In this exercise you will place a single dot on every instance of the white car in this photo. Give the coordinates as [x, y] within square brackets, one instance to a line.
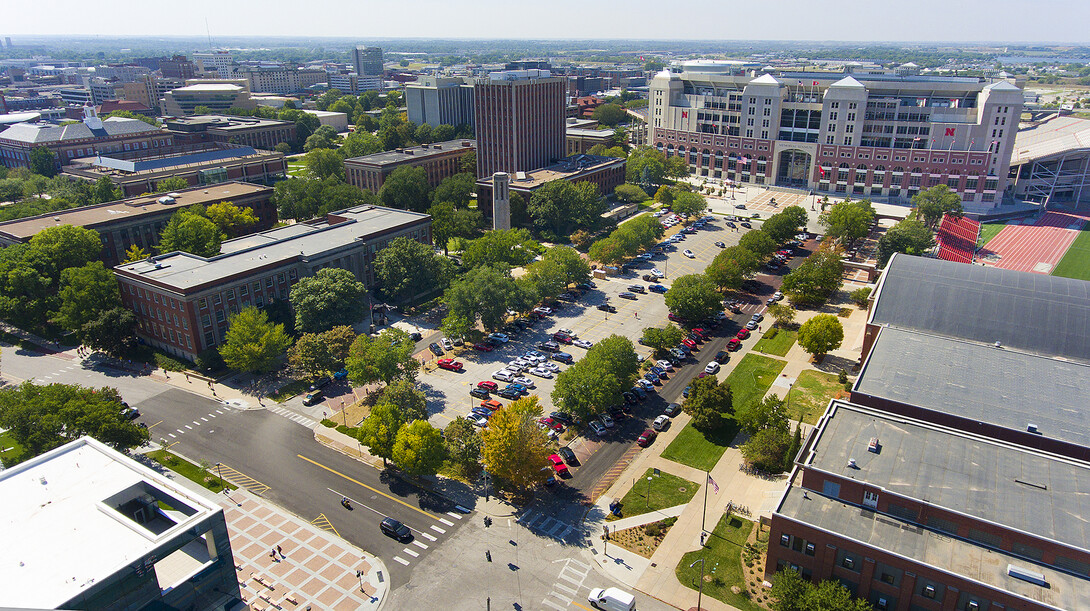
[667, 365]
[525, 381]
[661, 422]
[534, 358]
[477, 419]
[447, 344]
[567, 332]
[597, 428]
[582, 343]
[521, 362]
[606, 420]
[503, 375]
[544, 310]
[550, 366]
[500, 337]
[656, 272]
[712, 368]
[541, 372]
[658, 213]
[644, 256]
[688, 253]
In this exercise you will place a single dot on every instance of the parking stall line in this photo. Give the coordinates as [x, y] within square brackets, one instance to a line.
[437, 529]
[401, 560]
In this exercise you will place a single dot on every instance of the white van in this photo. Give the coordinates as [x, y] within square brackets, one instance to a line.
[611, 599]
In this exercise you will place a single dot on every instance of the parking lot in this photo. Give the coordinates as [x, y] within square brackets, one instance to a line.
[448, 391]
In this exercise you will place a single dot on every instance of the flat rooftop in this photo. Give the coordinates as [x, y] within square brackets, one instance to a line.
[90, 216]
[568, 168]
[1002, 387]
[1052, 136]
[153, 163]
[183, 271]
[948, 554]
[414, 153]
[62, 531]
[1035, 313]
[1024, 490]
[226, 122]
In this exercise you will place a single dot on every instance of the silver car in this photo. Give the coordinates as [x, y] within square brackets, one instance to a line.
[597, 428]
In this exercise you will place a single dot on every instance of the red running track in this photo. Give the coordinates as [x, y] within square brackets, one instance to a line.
[1023, 247]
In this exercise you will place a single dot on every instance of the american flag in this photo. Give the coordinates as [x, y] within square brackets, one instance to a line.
[711, 481]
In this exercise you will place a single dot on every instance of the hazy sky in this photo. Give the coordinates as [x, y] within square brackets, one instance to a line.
[863, 20]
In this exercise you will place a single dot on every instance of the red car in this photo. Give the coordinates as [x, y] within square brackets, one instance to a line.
[646, 438]
[483, 347]
[450, 364]
[702, 333]
[563, 338]
[558, 464]
[675, 317]
[690, 343]
[491, 404]
[488, 385]
[734, 344]
[743, 333]
[553, 424]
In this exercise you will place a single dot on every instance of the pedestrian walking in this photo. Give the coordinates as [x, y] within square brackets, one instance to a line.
[280, 551]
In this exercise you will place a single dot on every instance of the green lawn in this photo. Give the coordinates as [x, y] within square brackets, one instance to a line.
[697, 450]
[666, 491]
[752, 377]
[811, 393]
[989, 231]
[189, 470]
[289, 390]
[1076, 261]
[10, 450]
[723, 561]
[296, 168]
[778, 345]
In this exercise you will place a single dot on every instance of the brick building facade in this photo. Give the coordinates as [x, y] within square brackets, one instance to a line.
[439, 161]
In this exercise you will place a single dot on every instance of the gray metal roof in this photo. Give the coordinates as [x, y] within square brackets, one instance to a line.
[949, 554]
[38, 133]
[1023, 490]
[416, 153]
[1046, 315]
[980, 382]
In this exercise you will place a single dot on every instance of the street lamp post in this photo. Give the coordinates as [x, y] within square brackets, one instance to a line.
[359, 574]
[219, 473]
[700, 588]
[648, 492]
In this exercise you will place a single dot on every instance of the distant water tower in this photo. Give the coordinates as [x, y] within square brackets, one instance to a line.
[501, 201]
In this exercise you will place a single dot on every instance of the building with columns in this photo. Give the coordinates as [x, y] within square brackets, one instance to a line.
[887, 134]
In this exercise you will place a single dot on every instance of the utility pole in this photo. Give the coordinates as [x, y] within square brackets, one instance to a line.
[700, 589]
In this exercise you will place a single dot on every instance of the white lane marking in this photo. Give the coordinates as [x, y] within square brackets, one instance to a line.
[420, 545]
[206, 419]
[441, 531]
[172, 436]
[456, 516]
[189, 427]
[428, 537]
[401, 560]
[196, 423]
[447, 522]
[570, 591]
[411, 553]
[211, 415]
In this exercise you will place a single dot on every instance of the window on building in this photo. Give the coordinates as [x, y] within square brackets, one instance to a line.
[202, 303]
[244, 290]
[216, 299]
[230, 294]
[220, 317]
[785, 540]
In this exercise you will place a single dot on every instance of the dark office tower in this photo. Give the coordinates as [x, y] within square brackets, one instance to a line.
[367, 61]
[519, 121]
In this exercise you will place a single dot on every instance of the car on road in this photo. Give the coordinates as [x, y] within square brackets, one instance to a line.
[563, 357]
[742, 334]
[313, 398]
[480, 393]
[712, 368]
[645, 438]
[436, 349]
[582, 343]
[596, 428]
[568, 455]
[502, 375]
[777, 295]
[541, 372]
[549, 346]
[672, 410]
[627, 295]
[661, 422]
[129, 413]
[751, 325]
[720, 244]
[607, 421]
[688, 253]
[450, 364]
[757, 317]
[559, 466]
[525, 381]
[722, 357]
[483, 347]
[392, 528]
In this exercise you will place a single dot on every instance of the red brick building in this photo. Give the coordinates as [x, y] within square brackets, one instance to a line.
[520, 121]
[439, 161]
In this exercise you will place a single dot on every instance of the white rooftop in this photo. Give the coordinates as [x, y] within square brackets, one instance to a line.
[60, 530]
[210, 87]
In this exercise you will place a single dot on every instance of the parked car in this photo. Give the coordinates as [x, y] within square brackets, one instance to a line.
[340, 374]
[480, 393]
[605, 307]
[499, 337]
[521, 389]
[746, 225]
[656, 272]
[549, 346]
[568, 455]
[712, 368]
[509, 393]
[720, 244]
[743, 333]
[757, 317]
[415, 336]
[722, 356]
[450, 364]
[563, 357]
[392, 528]
[751, 325]
[582, 343]
[627, 295]
[607, 421]
[645, 438]
[661, 422]
[734, 344]
[647, 386]
[313, 397]
[596, 428]
[635, 288]
[503, 375]
[543, 310]
[477, 419]
[559, 466]
[483, 347]
[321, 382]
[564, 417]
[447, 344]
[563, 338]
[436, 349]
[672, 410]
[541, 372]
[525, 381]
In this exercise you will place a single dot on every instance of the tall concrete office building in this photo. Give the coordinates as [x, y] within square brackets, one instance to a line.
[440, 100]
[519, 116]
[367, 61]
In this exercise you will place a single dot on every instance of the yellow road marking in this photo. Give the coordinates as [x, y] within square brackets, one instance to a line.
[155, 425]
[581, 606]
[323, 522]
[239, 478]
[375, 490]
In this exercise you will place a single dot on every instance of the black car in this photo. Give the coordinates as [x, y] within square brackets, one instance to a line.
[586, 286]
[746, 225]
[649, 278]
[480, 393]
[509, 393]
[722, 357]
[627, 295]
[563, 417]
[635, 288]
[321, 382]
[567, 454]
[639, 392]
[672, 410]
[563, 357]
[415, 336]
[630, 398]
[549, 346]
[436, 349]
[392, 528]
[605, 307]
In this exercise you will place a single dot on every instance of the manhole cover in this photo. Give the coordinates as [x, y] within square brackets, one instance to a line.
[681, 489]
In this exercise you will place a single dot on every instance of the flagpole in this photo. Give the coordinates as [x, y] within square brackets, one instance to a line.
[704, 511]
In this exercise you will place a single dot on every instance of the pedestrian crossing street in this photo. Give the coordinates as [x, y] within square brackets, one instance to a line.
[547, 526]
[417, 547]
[293, 416]
[567, 585]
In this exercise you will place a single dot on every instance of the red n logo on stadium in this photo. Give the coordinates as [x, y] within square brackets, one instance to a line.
[950, 131]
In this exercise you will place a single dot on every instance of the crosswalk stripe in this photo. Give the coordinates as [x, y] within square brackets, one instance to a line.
[172, 436]
[411, 553]
[441, 531]
[428, 537]
[188, 427]
[570, 591]
[566, 599]
[401, 560]
[454, 515]
[205, 419]
[447, 522]
[574, 561]
[577, 583]
[420, 545]
[553, 605]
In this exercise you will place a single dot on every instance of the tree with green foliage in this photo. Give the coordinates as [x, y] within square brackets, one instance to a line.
[662, 339]
[28, 290]
[908, 236]
[485, 293]
[55, 249]
[665, 195]
[759, 243]
[134, 254]
[325, 137]
[360, 143]
[378, 431]
[318, 354]
[573, 266]
[596, 381]
[510, 247]
[463, 445]
[406, 188]
[387, 357]
[545, 279]
[813, 282]
[171, 184]
[821, 334]
[610, 151]
[43, 417]
[323, 163]
[689, 204]
[676, 167]
[561, 206]
[848, 221]
[756, 416]
[43, 162]
[456, 325]
[630, 194]
[792, 592]
[782, 313]
[418, 449]
[710, 404]
[231, 219]
[85, 293]
[105, 191]
[766, 449]
[732, 266]
[449, 222]
[128, 114]
[609, 114]
[407, 268]
[113, 331]
[860, 296]
[403, 393]
[457, 189]
[307, 198]
[932, 203]
[646, 166]
[190, 231]
[513, 448]
[252, 343]
[327, 299]
[783, 225]
[693, 297]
